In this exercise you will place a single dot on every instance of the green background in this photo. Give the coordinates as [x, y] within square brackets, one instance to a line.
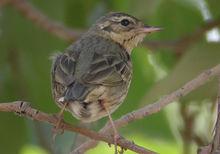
[25, 75]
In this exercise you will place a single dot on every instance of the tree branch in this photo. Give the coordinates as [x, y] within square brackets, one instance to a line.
[38, 18]
[216, 139]
[69, 34]
[23, 108]
[157, 106]
[214, 146]
[184, 42]
[188, 40]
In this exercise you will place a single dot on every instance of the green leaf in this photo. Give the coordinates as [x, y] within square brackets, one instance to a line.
[13, 133]
[176, 18]
[213, 6]
[32, 149]
[191, 64]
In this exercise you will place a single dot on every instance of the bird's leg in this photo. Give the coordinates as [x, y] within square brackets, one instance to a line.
[60, 115]
[60, 118]
[115, 132]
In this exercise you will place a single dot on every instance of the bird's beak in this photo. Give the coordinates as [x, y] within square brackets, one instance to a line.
[149, 29]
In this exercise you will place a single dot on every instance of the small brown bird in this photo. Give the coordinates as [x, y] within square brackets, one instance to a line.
[93, 75]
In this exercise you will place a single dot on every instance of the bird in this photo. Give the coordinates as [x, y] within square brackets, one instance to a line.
[91, 78]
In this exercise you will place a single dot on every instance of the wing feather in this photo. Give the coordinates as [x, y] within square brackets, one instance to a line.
[80, 71]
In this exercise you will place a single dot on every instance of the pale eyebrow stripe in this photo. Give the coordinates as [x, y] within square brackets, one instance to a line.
[118, 19]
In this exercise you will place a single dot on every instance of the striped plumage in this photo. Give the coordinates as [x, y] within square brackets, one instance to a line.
[96, 69]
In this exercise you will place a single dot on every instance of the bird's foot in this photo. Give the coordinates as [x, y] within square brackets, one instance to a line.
[117, 137]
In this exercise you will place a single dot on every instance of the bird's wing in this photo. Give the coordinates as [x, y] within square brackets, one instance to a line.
[64, 82]
[64, 69]
[80, 71]
[108, 69]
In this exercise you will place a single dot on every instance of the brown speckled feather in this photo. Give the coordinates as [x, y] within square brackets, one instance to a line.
[107, 71]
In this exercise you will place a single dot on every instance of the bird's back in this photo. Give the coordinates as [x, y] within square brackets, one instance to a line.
[92, 69]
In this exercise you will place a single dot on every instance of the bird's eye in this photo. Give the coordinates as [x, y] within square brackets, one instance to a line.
[125, 22]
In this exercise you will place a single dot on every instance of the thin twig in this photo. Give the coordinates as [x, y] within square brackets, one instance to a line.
[216, 140]
[38, 18]
[3, 3]
[214, 146]
[179, 45]
[70, 34]
[188, 125]
[23, 108]
[157, 106]
[205, 149]
[184, 42]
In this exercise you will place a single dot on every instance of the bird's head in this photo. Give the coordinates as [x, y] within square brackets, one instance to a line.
[123, 29]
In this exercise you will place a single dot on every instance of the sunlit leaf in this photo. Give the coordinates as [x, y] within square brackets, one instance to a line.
[31, 149]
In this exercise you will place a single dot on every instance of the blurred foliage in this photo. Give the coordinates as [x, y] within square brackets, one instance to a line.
[31, 149]
[25, 71]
